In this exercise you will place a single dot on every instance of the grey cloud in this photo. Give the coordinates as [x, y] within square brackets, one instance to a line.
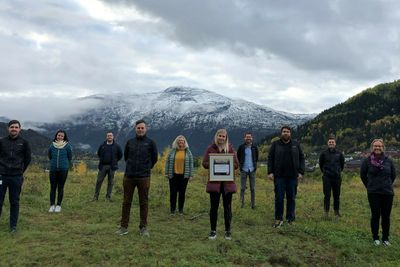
[345, 37]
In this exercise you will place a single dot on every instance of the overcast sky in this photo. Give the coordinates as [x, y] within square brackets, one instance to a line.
[295, 56]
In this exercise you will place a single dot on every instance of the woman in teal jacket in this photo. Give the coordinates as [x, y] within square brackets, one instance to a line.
[60, 155]
[179, 170]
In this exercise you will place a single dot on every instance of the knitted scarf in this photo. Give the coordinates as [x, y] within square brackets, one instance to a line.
[60, 144]
[377, 162]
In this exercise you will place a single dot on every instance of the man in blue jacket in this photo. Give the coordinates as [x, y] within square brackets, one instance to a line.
[247, 154]
[285, 167]
[15, 156]
[109, 154]
[140, 156]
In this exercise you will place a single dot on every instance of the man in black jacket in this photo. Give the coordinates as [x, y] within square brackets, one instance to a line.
[247, 154]
[109, 154]
[15, 156]
[140, 156]
[331, 163]
[285, 166]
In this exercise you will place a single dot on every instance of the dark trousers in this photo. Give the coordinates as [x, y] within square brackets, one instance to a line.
[331, 185]
[143, 186]
[106, 170]
[286, 187]
[57, 182]
[14, 185]
[252, 181]
[227, 201]
[381, 206]
[177, 184]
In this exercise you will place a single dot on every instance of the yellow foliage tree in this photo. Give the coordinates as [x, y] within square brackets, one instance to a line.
[81, 168]
[159, 168]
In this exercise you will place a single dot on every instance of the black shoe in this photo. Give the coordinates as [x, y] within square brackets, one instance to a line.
[94, 199]
[337, 214]
[13, 230]
[212, 235]
[290, 222]
[108, 199]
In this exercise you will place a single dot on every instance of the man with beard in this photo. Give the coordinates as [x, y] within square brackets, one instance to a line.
[248, 156]
[331, 163]
[285, 167]
[15, 156]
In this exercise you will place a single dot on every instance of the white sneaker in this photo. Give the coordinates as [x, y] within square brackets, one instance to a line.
[386, 243]
[377, 242]
[57, 209]
[52, 208]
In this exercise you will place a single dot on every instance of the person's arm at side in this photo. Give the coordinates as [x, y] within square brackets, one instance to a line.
[239, 152]
[393, 171]
[271, 161]
[98, 151]
[119, 152]
[364, 172]
[341, 161]
[321, 162]
[126, 151]
[49, 153]
[27, 155]
[190, 164]
[154, 154]
[302, 163]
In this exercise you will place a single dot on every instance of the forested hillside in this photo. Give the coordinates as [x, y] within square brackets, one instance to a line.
[373, 113]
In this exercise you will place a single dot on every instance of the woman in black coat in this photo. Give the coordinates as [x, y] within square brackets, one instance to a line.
[378, 174]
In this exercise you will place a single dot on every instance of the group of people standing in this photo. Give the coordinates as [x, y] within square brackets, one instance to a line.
[286, 166]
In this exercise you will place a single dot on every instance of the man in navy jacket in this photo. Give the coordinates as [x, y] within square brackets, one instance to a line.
[15, 156]
[109, 154]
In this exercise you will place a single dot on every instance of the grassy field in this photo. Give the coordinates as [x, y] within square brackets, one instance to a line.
[83, 233]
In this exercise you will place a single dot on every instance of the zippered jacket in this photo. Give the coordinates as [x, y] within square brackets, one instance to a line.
[331, 163]
[60, 158]
[116, 155]
[15, 156]
[378, 180]
[276, 155]
[169, 164]
[140, 156]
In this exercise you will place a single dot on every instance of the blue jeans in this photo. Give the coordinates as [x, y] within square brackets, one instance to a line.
[289, 187]
[14, 184]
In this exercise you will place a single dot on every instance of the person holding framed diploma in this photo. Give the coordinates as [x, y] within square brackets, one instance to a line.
[221, 159]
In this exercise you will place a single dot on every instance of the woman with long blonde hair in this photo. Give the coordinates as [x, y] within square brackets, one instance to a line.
[216, 189]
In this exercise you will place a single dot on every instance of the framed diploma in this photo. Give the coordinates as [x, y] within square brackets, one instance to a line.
[221, 167]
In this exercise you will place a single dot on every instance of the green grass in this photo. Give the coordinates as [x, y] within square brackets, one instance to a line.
[83, 233]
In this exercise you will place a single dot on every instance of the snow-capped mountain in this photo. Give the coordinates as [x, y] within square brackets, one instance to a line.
[196, 113]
